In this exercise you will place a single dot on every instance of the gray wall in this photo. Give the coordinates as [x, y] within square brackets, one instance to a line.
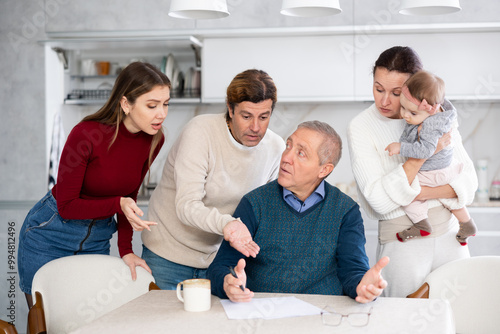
[22, 144]
[77, 15]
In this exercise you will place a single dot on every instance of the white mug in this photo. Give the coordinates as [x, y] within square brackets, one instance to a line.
[195, 294]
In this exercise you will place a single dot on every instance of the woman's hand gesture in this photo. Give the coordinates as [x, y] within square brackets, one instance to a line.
[132, 212]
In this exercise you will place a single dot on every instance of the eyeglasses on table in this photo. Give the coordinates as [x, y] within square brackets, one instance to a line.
[330, 317]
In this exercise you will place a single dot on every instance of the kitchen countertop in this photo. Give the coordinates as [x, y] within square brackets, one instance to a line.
[488, 204]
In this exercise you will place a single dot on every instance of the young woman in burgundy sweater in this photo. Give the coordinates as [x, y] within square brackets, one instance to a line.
[103, 163]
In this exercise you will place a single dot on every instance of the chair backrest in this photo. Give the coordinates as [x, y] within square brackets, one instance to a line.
[471, 287]
[7, 328]
[78, 289]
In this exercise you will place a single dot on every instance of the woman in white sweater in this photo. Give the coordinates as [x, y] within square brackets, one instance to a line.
[386, 183]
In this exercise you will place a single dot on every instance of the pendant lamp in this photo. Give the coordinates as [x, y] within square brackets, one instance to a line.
[198, 9]
[429, 7]
[310, 8]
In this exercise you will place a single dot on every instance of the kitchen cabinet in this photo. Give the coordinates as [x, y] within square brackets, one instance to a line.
[486, 241]
[177, 56]
[304, 68]
[335, 64]
[465, 60]
[315, 64]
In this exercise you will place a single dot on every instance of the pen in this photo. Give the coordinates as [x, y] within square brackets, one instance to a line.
[236, 276]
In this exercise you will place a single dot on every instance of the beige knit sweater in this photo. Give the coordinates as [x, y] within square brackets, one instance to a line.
[205, 175]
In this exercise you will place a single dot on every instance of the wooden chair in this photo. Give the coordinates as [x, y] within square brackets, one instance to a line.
[72, 291]
[36, 317]
[470, 286]
[7, 328]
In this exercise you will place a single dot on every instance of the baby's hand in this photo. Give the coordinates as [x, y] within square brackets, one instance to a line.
[393, 148]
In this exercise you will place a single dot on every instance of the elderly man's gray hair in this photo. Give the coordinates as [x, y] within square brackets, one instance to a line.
[330, 150]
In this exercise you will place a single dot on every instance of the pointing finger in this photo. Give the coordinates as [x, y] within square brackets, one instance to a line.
[381, 264]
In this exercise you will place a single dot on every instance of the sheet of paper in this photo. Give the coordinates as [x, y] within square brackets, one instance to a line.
[269, 308]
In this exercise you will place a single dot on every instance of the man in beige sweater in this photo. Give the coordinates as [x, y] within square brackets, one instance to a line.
[215, 161]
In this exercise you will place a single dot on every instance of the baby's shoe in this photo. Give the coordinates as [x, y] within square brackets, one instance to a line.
[467, 229]
[421, 229]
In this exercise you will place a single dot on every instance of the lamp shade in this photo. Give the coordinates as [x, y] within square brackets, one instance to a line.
[198, 9]
[429, 7]
[310, 8]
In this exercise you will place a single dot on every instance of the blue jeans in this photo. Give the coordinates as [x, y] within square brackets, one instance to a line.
[168, 274]
[46, 236]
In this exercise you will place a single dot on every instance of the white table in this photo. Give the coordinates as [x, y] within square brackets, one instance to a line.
[161, 312]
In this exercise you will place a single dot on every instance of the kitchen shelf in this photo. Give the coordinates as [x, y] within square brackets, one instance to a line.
[83, 77]
[188, 100]
[88, 40]
[121, 48]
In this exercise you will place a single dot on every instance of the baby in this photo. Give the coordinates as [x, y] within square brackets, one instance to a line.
[421, 99]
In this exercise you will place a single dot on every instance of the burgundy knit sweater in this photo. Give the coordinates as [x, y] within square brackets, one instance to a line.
[92, 176]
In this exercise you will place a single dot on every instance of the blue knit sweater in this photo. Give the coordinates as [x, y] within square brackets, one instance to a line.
[318, 251]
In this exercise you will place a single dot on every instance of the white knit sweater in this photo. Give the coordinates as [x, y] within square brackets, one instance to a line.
[206, 174]
[382, 184]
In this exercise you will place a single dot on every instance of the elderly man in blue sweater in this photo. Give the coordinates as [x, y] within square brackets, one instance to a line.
[311, 235]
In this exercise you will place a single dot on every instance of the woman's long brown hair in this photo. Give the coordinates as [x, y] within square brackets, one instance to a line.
[136, 79]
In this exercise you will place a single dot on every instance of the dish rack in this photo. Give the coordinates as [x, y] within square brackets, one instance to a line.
[89, 94]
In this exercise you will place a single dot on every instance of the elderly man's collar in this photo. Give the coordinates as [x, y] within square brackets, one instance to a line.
[317, 195]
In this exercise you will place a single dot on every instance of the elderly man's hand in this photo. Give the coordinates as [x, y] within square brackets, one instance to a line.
[239, 237]
[232, 285]
[372, 284]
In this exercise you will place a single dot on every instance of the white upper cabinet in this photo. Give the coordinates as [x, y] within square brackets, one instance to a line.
[304, 68]
[336, 65]
[466, 60]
